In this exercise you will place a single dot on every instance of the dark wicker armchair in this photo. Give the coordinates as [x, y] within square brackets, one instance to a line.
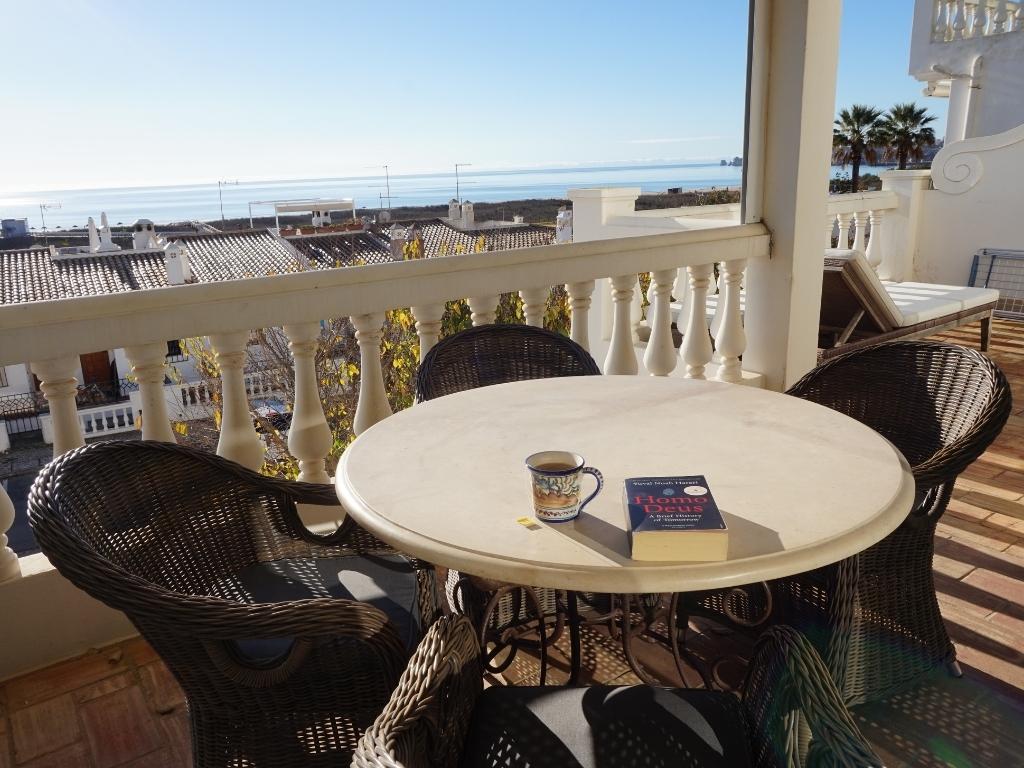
[875, 617]
[286, 643]
[478, 357]
[439, 718]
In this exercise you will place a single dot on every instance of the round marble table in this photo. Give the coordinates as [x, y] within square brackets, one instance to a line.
[799, 485]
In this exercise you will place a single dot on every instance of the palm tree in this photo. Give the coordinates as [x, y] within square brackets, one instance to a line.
[856, 137]
[907, 133]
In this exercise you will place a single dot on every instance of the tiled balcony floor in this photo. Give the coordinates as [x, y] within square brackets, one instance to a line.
[120, 707]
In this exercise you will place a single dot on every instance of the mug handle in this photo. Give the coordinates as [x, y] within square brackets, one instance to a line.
[600, 484]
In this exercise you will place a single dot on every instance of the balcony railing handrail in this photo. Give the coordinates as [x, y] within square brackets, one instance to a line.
[51, 329]
[855, 202]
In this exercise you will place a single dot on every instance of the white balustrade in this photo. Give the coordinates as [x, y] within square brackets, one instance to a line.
[483, 309]
[239, 440]
[959, 20]
[696, 350]
[428, 325]
[830, 228]
[9, 566]
[579, 305]
[874, 250]
[844, 230]
[534, 304]
[731, 340]
[309, 436]
[149, 367]
[97, 420]
[860, 222]
[59, 386]
[660, 357]
[621, 357]
[373, 397]
[968, 19]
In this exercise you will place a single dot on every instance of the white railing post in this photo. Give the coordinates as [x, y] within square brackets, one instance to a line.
[238, 438]
[875, 249]
[959, 20]
[59, 386]
[534, 303]
[483, 309]
[579, 304]
[844, 231]
[697, 350]
[830, 228]
[980, 20]
[428, 325]
[373, 397]
[660, 357]
[999, 19]
[860, 221]
[621, 358]
[731, 341]
[149, 366]
[309, 437]
[941, 22]
[10, 568]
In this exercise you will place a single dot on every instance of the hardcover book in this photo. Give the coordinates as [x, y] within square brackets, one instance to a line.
[674, 518]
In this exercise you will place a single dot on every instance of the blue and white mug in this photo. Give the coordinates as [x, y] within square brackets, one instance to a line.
[555, 476]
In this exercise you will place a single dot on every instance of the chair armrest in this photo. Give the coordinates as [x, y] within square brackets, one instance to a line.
[425, 722]
[788, 689]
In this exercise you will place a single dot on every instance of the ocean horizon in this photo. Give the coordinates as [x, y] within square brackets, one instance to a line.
[189, 202]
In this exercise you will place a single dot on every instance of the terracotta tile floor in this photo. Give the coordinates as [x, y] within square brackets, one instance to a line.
[119, 706]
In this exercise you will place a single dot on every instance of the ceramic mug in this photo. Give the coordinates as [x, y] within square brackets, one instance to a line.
[555, 477]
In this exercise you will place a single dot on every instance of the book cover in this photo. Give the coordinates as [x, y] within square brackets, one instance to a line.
[674, 518]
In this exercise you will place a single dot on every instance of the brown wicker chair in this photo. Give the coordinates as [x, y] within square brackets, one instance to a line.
[251, 612]
[438, 717]
[479, 357]
[875, 617]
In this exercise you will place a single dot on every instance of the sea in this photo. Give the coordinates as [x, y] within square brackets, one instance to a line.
[70, 208]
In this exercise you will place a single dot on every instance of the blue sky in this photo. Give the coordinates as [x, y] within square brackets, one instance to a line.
[118, 93]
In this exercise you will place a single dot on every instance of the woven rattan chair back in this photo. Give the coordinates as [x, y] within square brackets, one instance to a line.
[497, 354]
[163, 533]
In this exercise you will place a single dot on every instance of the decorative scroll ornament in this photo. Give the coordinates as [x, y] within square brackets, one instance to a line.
[958, 167]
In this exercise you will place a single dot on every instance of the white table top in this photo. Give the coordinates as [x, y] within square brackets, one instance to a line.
[799, 485]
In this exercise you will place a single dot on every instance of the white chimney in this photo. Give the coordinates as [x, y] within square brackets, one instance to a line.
[453, 210]
[563, 226]
[106, 238]
[316, 218]
[467, 214]
[143, 235]
[517, 219]
[94, 236]
[179, 271]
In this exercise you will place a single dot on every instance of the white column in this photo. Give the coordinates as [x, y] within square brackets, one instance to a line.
[579, 304]
[860, 222]
[9, 566]
[660, 358]
[875, 248]
[898, 233]
[798, 41]
[59, 386]
[534, 303]
[844, 231]
[830, 228]
[621, 358]
[958, 109]
[731, 341]
[697, 350]
[238, 438]
[309, 437]
[373, 398]
[149, 366]
[483, 309]
[428, 325]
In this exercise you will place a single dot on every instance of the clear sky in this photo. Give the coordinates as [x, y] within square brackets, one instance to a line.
[114, 93]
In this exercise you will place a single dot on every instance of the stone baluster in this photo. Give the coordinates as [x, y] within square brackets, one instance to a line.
[309, 437]
[697, 350]
[373, 398]
[428, 325]
[999, 18]
[579, 304]
[660, 357]
[941, 23]
[874, 251]
[149, 366]
[959, 20]
[716, 319]
[59, 385]
[860, 223]
[830, 228]
[731, 341]
[534, 304]
[844, 230]
[1018, 19]
[980, 20]
[483, 309]
[10, 568]
[238, 438]
[621, 358]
